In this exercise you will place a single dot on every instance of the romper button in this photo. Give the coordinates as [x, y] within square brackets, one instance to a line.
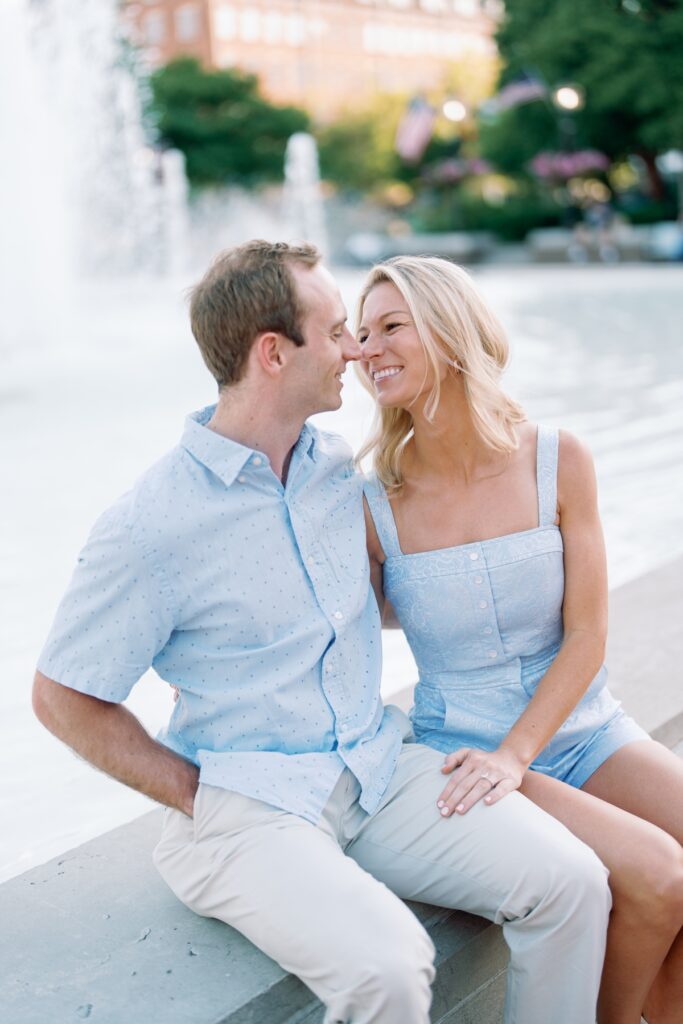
[242, 479]
[493, 654]
[478, 579]
[488, 630]
[483, 604]
[474, 556]
[339, 615]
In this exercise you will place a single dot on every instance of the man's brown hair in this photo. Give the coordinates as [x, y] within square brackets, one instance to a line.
[247, 290]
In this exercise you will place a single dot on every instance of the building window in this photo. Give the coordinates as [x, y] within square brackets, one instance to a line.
[155, 28]
[295, 32]
[225, 22]
[273, 28]
[250, 25]
[187, 23]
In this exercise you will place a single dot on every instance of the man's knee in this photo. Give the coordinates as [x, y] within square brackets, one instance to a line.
[391, 981]
[578, 886]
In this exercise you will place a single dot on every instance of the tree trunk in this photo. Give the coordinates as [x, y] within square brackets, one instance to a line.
[656, 187]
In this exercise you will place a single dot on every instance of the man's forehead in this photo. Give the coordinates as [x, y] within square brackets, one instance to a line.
[318, 291]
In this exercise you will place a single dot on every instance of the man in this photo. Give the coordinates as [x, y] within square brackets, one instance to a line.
[237, 568]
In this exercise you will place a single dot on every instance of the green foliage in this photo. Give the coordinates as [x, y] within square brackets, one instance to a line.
[357, 150]
[458, 210]
[515, 136]
[627, 57]
[227, 131]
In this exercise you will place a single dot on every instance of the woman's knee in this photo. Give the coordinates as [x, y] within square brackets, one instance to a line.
[655, 888]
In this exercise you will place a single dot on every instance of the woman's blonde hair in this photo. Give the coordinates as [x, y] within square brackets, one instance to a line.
[456, 327]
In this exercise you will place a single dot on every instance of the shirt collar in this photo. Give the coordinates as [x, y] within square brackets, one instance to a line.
[226, 457]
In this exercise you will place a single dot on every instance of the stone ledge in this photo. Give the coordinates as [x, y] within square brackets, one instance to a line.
[96, 935]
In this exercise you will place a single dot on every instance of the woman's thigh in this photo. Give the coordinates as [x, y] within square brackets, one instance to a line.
[633, 849]
[645, 779]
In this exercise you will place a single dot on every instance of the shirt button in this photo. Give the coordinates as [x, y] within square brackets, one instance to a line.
[242, 479]
[493, 654]
[474, 556]
[339, 615]
[478, 579]
[310, 561]
[257, 460]
[483, 604]
[488, 630]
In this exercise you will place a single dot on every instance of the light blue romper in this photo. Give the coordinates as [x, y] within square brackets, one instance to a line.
[484, 622]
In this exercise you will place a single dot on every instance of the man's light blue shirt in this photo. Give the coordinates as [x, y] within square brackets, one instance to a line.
[253, 600]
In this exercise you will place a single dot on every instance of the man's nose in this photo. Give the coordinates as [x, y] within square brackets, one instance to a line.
[351, 350]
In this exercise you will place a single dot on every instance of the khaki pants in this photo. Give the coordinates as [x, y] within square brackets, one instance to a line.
[322, 899]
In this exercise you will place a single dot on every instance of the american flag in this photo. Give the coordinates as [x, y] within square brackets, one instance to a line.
[415, 130]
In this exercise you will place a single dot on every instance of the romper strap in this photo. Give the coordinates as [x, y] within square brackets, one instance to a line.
[547, 445]
[383, 517]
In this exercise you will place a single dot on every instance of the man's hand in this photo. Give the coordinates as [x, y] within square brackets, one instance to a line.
[476, 775]
[113, 740]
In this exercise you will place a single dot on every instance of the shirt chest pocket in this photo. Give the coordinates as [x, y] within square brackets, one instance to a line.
[343, 541]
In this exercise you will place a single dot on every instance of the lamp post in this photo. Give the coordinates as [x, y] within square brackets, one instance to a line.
[568, 99]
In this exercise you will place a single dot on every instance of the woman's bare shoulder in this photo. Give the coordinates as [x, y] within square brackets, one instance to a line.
[575, 470]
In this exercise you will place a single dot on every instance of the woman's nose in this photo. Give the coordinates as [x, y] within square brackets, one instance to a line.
[372, 346]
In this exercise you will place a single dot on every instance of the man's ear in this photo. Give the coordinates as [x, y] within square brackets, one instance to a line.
[269, 350]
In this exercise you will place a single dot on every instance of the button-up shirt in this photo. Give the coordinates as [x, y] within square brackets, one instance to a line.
[253, 599]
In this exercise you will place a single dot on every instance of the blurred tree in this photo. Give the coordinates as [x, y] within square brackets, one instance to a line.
[627, 56]
[228, 132]
[357, 149]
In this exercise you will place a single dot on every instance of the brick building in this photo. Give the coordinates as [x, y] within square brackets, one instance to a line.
[320, 54]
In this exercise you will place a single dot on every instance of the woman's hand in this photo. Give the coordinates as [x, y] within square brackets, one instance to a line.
[477, 774]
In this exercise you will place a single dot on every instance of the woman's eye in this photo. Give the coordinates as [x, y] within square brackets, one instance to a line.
[390, 327]
[362, 338]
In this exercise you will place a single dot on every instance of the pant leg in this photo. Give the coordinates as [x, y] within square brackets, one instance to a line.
[289, 888]
[509, 862]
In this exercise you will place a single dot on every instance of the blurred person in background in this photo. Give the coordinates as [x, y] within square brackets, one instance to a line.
[485, 540]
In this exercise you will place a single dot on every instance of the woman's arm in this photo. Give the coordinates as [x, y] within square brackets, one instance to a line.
[584, 614]
[375, 557]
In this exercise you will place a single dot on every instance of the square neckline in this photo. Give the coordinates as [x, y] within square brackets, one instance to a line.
[546, 473]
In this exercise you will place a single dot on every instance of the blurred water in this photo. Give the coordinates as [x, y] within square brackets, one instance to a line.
[596, 350]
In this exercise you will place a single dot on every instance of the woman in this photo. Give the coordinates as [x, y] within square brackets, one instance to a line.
[484, 536]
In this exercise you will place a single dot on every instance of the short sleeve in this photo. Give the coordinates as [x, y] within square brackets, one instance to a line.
[116, 615]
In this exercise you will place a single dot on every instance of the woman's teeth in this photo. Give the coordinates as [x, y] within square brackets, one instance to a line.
[390, 371]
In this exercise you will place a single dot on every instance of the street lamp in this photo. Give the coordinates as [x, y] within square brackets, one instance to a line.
[569, 97]
[454, 110]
